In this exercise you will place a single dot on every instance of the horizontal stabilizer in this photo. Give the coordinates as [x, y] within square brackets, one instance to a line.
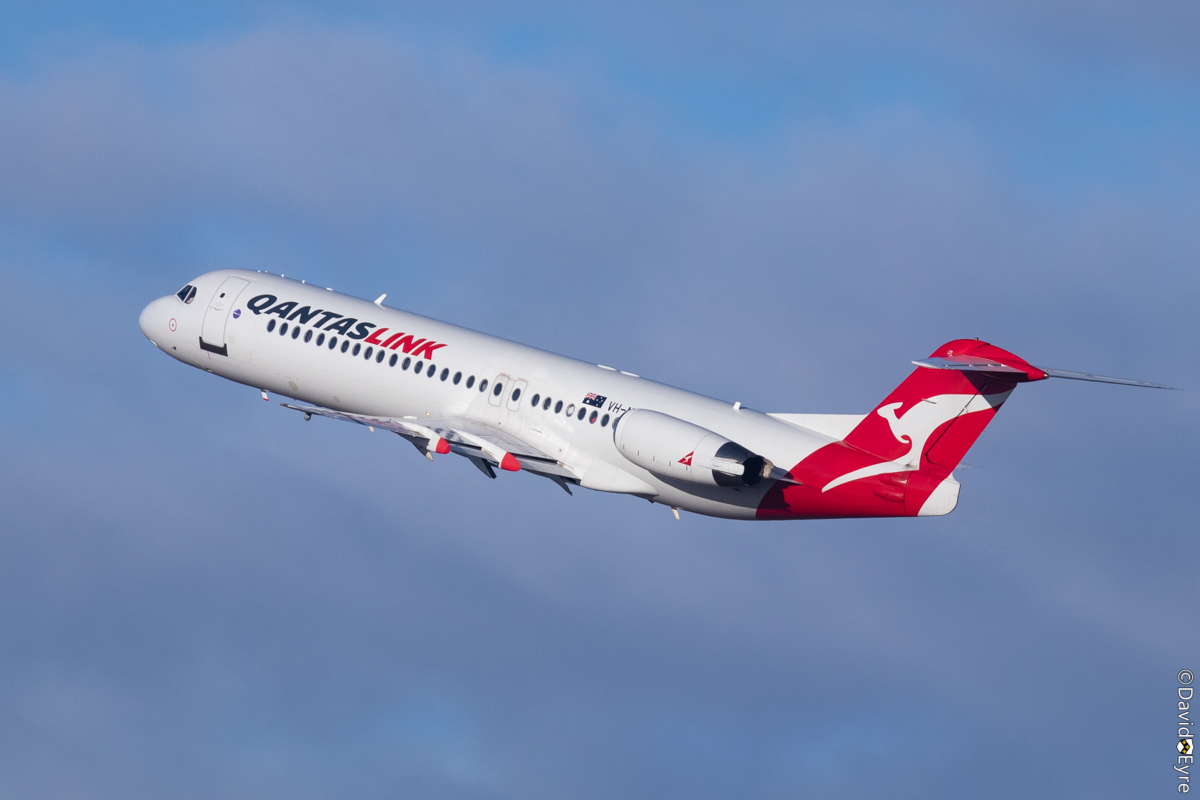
[1084, 376]
[967, 364]
[970, 363]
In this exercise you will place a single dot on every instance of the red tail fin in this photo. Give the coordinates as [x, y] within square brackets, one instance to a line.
[938, 413]
[894, 460]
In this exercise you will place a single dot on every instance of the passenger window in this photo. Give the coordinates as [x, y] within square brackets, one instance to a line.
[604, 421]
[457, 378]
[570, 409]
[392, 361]
[582, 414]
[296, 333]
[407, 361]
[270, 326]
[558, 407]
[379, 358]
[320, 339]
[483, 385]
[499, 388]
[370, 352]
[307, 337]
[432, 369]
[283, 329]
[470, 381]
[345, 345]
[332, 342]
[516, 395]
[546, 404]
[537, 398]
[357, 347]
[592, 418]
[445, 374]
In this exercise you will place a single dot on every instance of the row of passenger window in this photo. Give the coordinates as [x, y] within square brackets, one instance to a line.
[379, 355]
[431, 370]
[583, 412]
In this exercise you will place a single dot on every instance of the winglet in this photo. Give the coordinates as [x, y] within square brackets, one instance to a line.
[379, 300]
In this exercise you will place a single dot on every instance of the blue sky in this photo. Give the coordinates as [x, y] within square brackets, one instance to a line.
[202, 596]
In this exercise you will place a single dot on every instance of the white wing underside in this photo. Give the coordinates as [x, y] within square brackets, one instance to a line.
[463, 436]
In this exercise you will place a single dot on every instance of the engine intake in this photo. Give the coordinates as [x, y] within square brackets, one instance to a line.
[672, 448]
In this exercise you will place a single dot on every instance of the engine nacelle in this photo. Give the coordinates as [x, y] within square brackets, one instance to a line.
[672, 448]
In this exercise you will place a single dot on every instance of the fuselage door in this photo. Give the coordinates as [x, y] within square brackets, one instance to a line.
[497, 390]
[515, 394]
[212, 333]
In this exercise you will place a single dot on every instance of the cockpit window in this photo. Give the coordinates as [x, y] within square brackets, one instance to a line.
[187, 294]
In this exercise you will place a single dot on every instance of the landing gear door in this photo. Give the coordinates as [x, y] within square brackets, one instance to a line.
[212, 333]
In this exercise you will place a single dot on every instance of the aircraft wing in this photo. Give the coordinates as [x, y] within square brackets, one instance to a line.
[486, 447]
[472, 439]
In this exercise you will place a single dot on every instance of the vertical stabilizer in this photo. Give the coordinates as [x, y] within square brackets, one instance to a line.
[897, 461]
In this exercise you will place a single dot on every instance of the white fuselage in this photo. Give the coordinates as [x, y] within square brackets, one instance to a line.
[294, 365]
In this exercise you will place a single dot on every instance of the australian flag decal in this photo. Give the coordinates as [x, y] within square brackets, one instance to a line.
[596, 400]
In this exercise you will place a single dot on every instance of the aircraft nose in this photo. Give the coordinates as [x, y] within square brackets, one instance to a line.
[144, 321]
[154, 320]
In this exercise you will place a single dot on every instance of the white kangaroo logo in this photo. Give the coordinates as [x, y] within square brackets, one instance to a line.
[888, 412]
[915, 428]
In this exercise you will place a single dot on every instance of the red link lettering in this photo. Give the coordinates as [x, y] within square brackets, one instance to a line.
[407, 343]
[374, 337]
[426, 350]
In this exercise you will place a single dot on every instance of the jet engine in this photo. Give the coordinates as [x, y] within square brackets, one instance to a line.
[672, 448]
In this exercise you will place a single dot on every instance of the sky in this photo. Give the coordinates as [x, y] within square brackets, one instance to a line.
[780, 204]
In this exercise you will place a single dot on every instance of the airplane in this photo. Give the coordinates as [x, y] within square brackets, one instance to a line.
[502, 405]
